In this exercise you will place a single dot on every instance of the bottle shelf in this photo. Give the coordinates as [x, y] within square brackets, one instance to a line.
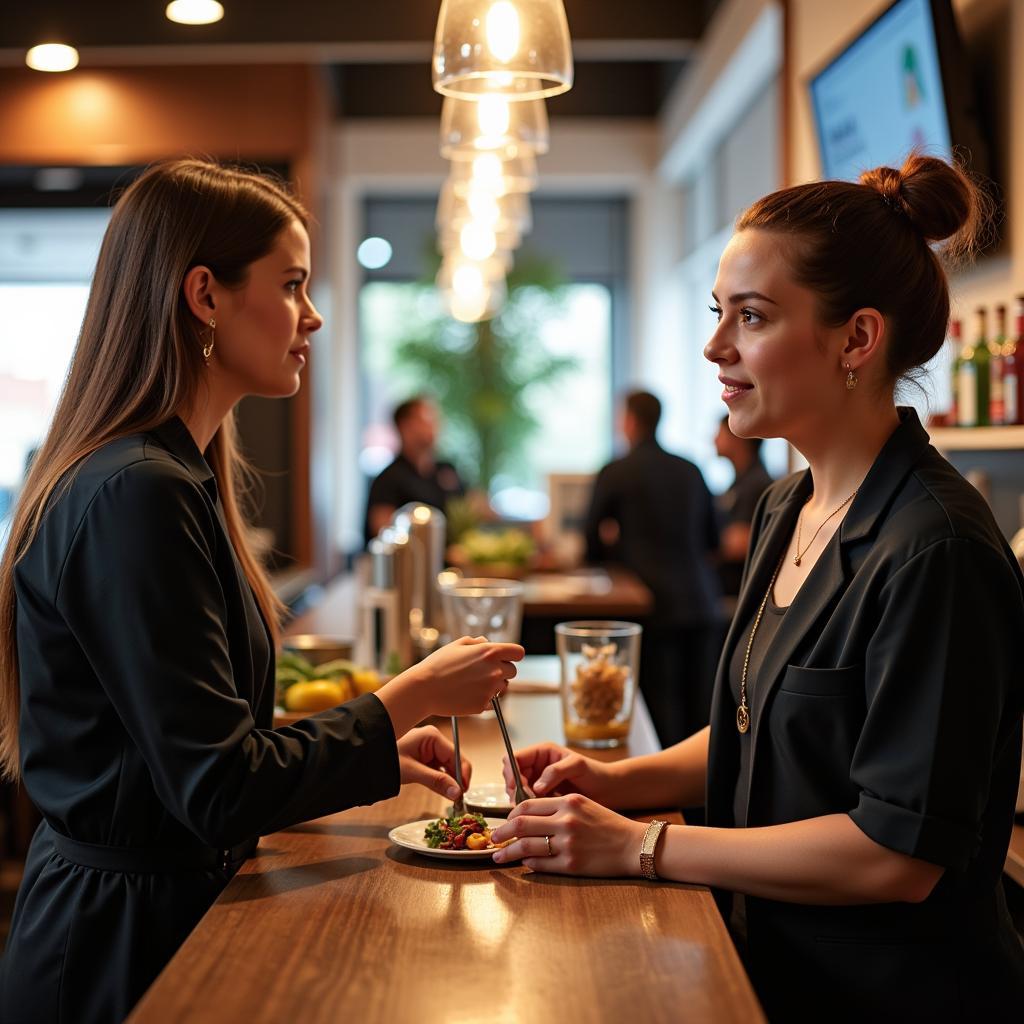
[977, 439]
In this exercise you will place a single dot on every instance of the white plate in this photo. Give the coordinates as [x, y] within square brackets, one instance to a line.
[411, 838]
[489, 798]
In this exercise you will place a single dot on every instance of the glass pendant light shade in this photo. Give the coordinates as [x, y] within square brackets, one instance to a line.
[492, 124]
[489, 173]
[510, 212]
[517, 48]
[482, 305]
[477, 241]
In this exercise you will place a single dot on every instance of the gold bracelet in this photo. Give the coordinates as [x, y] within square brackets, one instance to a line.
[647, 847]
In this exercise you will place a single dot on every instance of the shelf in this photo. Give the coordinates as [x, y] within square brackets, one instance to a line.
[977, 439]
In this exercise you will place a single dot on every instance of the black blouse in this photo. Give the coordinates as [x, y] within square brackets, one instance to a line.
[147, 691]
[891, 692]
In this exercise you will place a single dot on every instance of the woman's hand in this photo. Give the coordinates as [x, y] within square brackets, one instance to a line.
[427, 757]
[551, 770]
[583, 837]
[457, 679]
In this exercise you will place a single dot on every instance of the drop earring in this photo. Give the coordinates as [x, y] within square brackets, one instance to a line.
[208, 347]
[851, 378]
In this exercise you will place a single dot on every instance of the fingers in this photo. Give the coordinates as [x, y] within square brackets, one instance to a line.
[535, 815]
[556, 773]
[528, 848]
[435, 781]
[509, 652]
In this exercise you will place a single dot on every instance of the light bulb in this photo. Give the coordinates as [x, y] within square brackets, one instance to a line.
[483, 207]
[477, 241]
[468, 281]
[493, 116]
[487, 170]
[502, 28]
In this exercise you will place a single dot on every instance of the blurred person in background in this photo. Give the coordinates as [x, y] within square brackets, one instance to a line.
[652, 513]
[736, 505]
[414, 475]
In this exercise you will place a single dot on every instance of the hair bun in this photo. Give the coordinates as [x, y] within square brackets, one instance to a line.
[938, 198]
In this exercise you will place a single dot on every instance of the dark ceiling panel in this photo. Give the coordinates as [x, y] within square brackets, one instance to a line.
[602, 89]
[141, 22]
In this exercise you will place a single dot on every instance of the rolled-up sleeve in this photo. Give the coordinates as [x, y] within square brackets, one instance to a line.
[939, 680]
[140, 590]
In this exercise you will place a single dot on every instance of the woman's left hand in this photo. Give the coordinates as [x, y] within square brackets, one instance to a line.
[584, 838]
[423, 753]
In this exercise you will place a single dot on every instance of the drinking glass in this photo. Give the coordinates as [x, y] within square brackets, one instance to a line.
[599, 662]
[483, 607]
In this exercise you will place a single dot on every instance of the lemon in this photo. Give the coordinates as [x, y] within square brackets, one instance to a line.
[316, 695]
[366, 680]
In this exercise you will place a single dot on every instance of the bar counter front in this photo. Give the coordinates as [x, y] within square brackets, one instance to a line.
[331, 922]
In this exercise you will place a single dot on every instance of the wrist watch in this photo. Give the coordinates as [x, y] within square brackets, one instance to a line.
[647, 847]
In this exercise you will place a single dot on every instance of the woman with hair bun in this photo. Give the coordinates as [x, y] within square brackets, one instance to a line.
[861, 764]
[137, 629]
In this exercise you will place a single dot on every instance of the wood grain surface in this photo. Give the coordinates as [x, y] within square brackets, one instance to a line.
[331, 922]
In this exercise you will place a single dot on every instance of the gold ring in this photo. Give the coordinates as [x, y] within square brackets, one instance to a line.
[547, 839]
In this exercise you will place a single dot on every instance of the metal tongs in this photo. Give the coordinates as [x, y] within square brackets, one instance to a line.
[522, 793]
[459, 807]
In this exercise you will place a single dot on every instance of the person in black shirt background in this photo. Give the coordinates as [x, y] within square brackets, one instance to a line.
[736, 506]
[414, 475]
[652, 513]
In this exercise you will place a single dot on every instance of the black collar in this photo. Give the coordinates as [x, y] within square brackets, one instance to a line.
[890, 468]
[175, 438]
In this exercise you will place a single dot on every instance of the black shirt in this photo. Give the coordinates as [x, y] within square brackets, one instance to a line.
[667, 531]
[892, 692]
[147, 693]
[401, 483]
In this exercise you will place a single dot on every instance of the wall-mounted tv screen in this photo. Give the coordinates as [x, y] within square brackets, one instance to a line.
[900, 85]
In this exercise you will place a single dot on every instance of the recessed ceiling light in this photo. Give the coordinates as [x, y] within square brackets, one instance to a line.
[52, 57]
[195, 12]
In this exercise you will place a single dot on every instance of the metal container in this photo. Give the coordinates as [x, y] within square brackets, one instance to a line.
[419, 538]
[318, 649]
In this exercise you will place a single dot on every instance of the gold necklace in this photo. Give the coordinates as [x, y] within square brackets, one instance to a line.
[799, 521]
[743, 712]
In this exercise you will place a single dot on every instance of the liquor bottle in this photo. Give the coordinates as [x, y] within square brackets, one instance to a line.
[980, 359]
[966, 387]
[996, 400]
[955, 344]
[1013, 371]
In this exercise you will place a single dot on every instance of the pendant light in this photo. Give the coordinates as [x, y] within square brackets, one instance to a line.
[492, 124]
[490, 173]
[501, 213]
[517, 48]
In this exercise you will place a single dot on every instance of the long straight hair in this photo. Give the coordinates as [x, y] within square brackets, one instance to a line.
[139, 362]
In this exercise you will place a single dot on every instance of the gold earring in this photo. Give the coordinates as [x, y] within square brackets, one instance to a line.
[208, 347]
[851, 378]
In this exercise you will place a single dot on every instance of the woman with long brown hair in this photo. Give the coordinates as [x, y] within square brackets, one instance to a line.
[861, 765]
[137, 629]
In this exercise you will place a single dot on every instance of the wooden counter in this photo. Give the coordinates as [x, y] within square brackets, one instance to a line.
[331, 922]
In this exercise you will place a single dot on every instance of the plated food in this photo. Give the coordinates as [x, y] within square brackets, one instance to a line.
[444, 833]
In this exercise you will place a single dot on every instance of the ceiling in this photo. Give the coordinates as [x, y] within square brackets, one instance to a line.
[377, 53]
